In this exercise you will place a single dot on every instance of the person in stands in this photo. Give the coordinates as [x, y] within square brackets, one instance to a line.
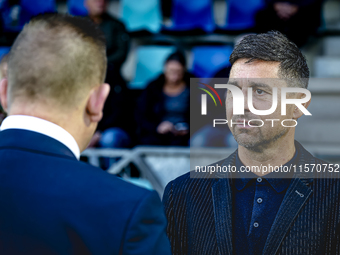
[162, 111]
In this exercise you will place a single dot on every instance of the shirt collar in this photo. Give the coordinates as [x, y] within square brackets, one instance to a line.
[44, 127]
[278, 184]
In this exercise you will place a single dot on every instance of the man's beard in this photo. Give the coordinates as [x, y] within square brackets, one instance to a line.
[256, 145]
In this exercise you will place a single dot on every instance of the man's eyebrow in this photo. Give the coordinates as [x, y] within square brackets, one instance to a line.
[259, 85]
[235, 83]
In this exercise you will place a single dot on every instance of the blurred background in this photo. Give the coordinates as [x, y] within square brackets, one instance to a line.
[154, 47]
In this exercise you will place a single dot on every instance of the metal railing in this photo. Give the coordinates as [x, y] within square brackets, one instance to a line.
[159, 165]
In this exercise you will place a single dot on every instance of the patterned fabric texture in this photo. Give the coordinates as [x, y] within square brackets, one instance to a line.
[200, 220]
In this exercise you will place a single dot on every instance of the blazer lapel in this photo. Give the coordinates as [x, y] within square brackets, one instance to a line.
[222, 201]
[297, 195]
[221, 193]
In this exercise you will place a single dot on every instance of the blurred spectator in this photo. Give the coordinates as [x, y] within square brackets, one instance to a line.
[162, 112]
[3, 75]
[117, 39]
[10, 21]
[113, 130]
[116, 127]
[166, 8]
[298, 19]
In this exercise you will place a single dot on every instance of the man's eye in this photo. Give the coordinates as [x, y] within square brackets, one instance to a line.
[259, 91]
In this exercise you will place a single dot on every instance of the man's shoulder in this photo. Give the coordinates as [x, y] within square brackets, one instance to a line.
[95, 180]
[195, 180]
[64, 176]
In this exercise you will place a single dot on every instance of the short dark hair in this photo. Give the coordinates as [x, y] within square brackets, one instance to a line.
[177, 56]
[274, 46]
[57, 56]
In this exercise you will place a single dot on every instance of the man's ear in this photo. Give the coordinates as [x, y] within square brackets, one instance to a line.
[95, 103]
[3, 94]
[297, 112]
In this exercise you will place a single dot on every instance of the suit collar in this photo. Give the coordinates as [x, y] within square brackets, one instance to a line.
[297, 195]
[34, 142]
[44, 127]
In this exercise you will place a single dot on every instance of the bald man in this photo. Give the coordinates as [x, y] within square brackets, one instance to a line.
[50, 203]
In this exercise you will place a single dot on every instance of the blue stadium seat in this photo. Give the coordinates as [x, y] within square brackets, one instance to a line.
[11, 17]
[150, 63]
[207, 60]
[35, 7]
[77, 7]
[4, 51]
[31, 8]
[192, 14]
[15, 17]
[241, 14]
[141, 15]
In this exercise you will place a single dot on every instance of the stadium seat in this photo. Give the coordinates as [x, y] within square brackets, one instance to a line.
[141, 15]
[192, 14]
[11, 17]
[15, 16]
[77, 7]
[4, 51]
[150, 62]
[241, 14]
[207, 60]
[35, 7]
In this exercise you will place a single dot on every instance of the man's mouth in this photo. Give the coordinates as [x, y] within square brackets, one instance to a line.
[245, 123]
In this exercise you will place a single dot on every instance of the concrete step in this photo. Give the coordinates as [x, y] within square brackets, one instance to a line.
[318, 132]
[331, 46]
[326, 66]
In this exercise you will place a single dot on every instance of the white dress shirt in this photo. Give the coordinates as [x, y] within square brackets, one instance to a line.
[43, 127]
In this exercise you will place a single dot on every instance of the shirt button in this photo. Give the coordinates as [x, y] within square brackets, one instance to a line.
[256, 224]
[259, 200]
[259, 179]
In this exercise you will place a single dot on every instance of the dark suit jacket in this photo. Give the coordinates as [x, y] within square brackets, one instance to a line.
[50, 203]
[199, 213]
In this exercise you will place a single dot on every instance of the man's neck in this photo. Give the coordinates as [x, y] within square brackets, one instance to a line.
[277, 154]
[68, 121]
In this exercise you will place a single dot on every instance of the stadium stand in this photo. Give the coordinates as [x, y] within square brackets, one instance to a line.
[192, 14]
[150, 60]
[207, 54]
[207, 60]
[15, 14]
[35, 7]
[141, 15]
[328, 64]
[76, 7]
[4, 51]
[241, 14]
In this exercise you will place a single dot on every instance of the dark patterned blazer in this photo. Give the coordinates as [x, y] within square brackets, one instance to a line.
[199, 213]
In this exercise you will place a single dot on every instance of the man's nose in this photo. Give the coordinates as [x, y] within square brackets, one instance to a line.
[245, 94]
